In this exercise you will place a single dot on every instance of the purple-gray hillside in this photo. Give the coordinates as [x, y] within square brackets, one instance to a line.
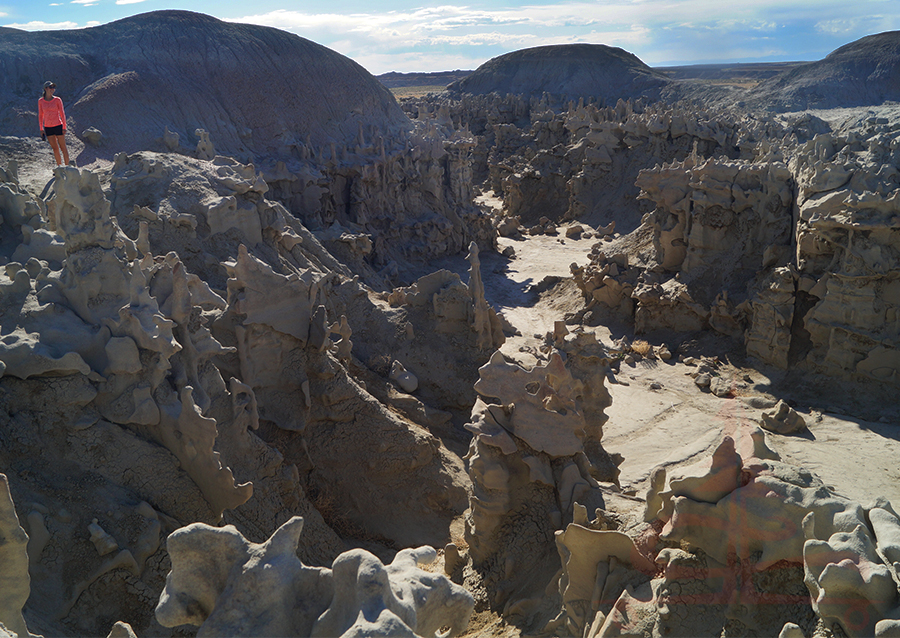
[863, 73]
[570, 70]
[256, 90]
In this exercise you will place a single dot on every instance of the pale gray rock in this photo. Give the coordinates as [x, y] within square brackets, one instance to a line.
[228, 586]
[121, 630]
[783, 419]
[720, 387]
[535, 459]
[205, 149]
[15, 583]
[886, 526]
[791, 630]
[403, 377]
[92, 136]
[887, 628]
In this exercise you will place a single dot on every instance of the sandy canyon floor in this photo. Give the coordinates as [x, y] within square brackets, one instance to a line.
[660, 416]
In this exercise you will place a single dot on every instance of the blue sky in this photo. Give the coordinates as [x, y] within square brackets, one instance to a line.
[412, 35]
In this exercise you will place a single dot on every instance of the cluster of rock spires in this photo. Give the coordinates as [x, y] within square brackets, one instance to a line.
[228, 403]
[780, 231]
[153, 380]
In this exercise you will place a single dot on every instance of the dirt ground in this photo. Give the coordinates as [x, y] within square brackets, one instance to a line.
[660, 416]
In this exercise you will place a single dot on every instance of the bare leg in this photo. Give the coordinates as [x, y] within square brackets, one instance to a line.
[54, 143]
[65, 150]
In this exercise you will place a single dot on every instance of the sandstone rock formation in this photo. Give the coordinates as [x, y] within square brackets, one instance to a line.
[14, 579]
[739, 539]
[728, 252]
[229, 586]
[151, 376]
[535, 458]
[575, 159]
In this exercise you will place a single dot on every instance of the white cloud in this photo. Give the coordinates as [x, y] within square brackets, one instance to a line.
[128, 1]
[37, 25]
[657, 31]
[856, 24]
[86, 3]
[837, 27]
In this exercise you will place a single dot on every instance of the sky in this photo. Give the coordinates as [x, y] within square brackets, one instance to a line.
[421, 36]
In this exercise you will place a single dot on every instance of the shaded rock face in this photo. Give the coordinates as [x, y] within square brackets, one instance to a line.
[574, 70]
[863, 72]
[245, 85]
[171, 391]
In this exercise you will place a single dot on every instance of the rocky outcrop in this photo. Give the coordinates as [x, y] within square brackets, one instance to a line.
[578, 159]
[847, 246]
[716, 224]
[14, 580]
[440, 303]
[716, 218]
[533, 461]
[741, 539]
[380, 202]
[791, 247]
[833, 307]
[229, 586]
[167, 386]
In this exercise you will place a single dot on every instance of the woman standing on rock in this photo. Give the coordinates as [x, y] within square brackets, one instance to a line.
[52, 119]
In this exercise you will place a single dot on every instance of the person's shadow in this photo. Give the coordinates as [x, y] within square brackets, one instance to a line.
[47, 187]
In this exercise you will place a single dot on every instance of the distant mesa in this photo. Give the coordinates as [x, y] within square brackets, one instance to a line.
[394, 80]
[571, 70]
[254, 89]
[863, 73]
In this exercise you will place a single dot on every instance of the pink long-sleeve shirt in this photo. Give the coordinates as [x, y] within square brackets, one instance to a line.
[51, 113]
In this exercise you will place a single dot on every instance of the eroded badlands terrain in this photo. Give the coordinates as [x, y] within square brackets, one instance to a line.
[571, 349]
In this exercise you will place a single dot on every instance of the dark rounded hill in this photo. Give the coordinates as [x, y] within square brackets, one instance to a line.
[863, 73]
[570, 70]
[256, 90]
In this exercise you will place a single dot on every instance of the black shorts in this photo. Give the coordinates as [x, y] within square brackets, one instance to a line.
[54, 130]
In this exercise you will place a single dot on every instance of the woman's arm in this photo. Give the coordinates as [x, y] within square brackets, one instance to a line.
[62, 114]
